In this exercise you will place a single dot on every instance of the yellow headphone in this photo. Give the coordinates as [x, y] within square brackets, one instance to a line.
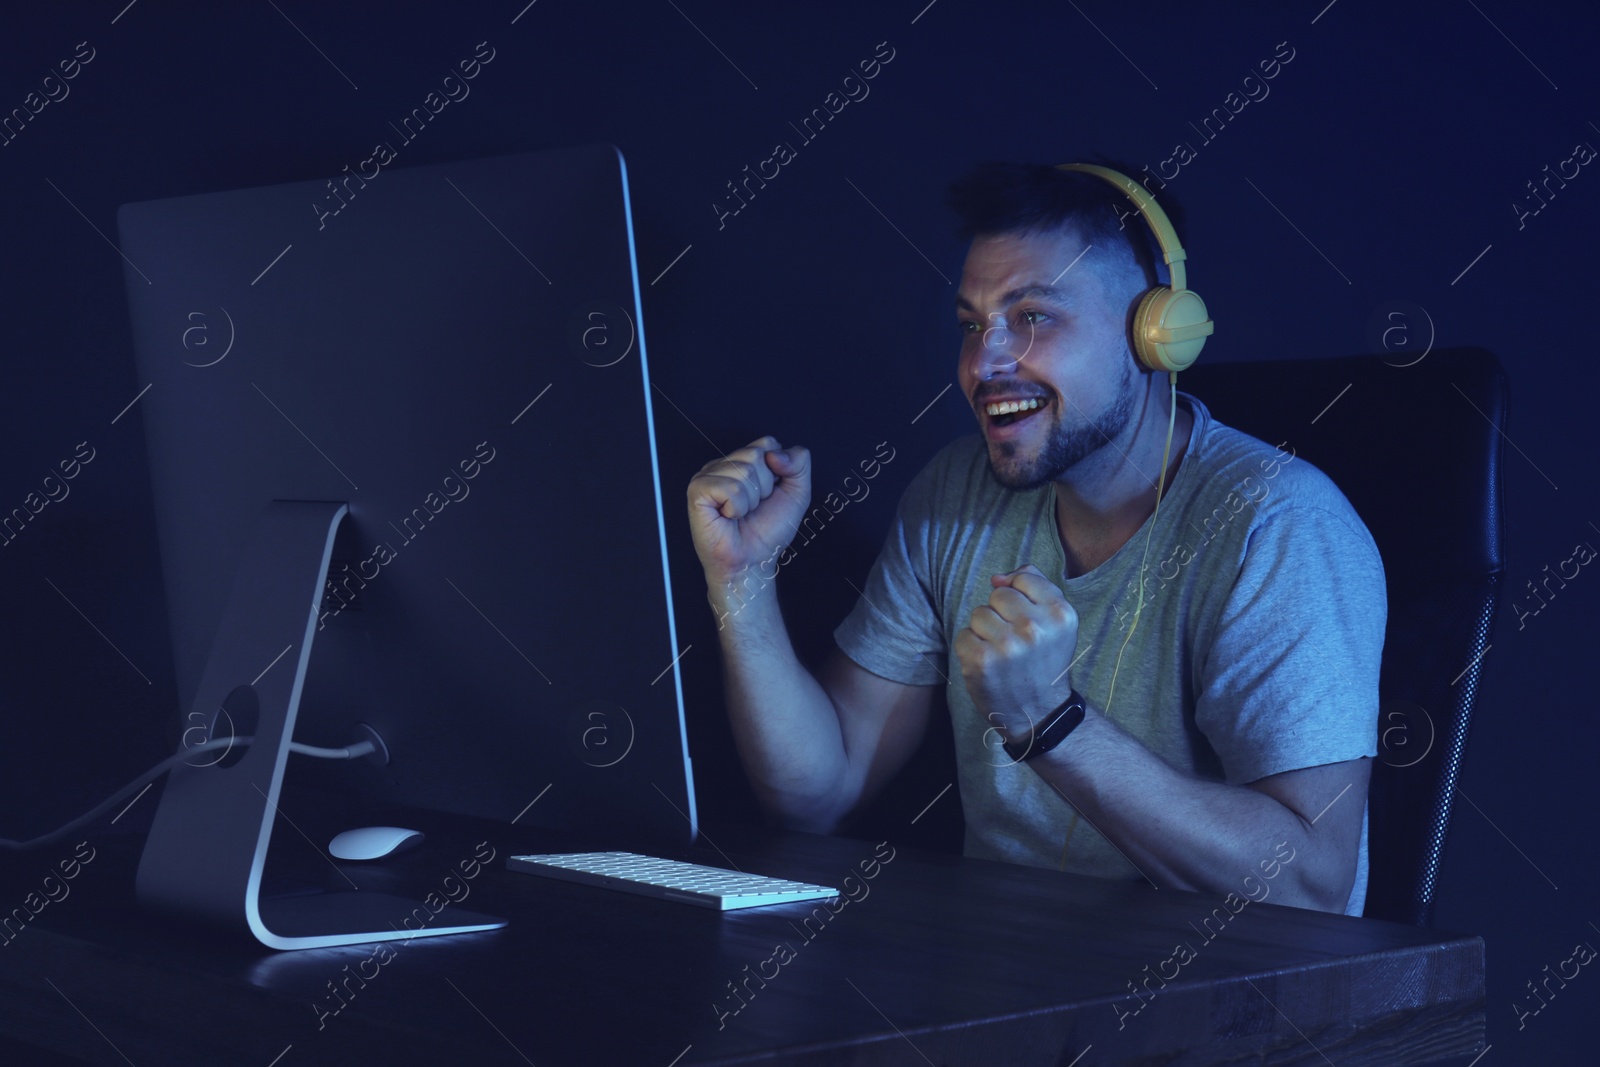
[1170, 323]
[1170, 326]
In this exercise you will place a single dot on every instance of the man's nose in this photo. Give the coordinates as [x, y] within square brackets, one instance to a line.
[999, 350]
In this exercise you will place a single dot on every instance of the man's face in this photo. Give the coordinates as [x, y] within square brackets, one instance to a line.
[1041, 325]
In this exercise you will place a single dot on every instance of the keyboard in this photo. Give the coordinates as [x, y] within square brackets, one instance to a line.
[687, 883]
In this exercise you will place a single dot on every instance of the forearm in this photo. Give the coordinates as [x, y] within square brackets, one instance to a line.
[1185, 832]
[785, 726]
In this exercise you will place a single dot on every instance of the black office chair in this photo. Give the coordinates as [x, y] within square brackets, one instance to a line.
[1417, 450]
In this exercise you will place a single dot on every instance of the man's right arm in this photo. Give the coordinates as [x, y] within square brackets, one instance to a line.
[814, 745]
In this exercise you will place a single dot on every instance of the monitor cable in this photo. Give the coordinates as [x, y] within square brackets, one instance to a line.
[349, 752]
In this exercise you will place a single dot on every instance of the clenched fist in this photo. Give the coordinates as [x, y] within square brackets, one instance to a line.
[745, 507]
[1015, 652]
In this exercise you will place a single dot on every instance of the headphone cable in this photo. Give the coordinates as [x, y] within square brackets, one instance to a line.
[1161, 482]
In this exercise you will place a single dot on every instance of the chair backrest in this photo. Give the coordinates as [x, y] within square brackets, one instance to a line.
[1417, 451]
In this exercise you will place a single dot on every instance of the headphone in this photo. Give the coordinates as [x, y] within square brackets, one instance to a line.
[1169, 324]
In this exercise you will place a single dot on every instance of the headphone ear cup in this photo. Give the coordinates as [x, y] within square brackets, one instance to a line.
[1169, 328]
[1145, 349]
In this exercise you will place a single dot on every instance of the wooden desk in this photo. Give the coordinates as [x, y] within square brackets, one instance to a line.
[934, 959]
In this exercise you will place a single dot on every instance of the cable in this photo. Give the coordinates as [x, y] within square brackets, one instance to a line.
[355, 751]
[1161, 483]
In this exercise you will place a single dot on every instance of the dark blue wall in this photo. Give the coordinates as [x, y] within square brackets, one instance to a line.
[1384, 160]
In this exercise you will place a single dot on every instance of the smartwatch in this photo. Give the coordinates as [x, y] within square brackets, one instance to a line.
[1050, 732]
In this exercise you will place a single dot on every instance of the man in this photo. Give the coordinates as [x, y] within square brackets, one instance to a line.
[1226, 725]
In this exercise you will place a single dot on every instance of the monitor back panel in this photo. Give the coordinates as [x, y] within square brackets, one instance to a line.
[457, 351]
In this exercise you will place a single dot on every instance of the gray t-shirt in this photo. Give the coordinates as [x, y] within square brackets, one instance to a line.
[1257, 651]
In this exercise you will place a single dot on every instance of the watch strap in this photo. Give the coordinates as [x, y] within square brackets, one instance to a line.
[1051, 730]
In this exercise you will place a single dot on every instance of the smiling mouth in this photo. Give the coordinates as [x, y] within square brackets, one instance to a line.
[1006, 412]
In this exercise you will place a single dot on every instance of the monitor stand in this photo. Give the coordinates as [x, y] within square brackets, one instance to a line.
[208, 845]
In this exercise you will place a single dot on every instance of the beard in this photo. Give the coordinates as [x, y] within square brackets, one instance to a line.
[1064, 446]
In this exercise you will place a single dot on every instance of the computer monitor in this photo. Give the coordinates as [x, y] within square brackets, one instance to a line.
[430, 383]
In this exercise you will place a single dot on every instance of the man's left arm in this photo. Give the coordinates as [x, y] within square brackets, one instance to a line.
[1185, 832]
[1291, 728]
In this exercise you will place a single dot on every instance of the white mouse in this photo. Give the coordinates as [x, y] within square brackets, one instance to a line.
[373, 842]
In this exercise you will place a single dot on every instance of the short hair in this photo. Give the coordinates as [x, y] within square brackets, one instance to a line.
[1002, 198]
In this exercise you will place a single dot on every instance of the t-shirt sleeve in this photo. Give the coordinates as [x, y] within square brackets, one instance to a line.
[1291, 678]
[895, 630]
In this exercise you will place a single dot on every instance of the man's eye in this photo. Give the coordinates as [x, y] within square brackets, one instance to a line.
[967, 326]
[1034, 318]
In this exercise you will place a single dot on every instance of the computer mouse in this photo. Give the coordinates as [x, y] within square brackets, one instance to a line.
[373, 842]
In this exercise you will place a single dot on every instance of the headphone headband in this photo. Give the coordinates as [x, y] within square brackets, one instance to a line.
[1171, 249]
